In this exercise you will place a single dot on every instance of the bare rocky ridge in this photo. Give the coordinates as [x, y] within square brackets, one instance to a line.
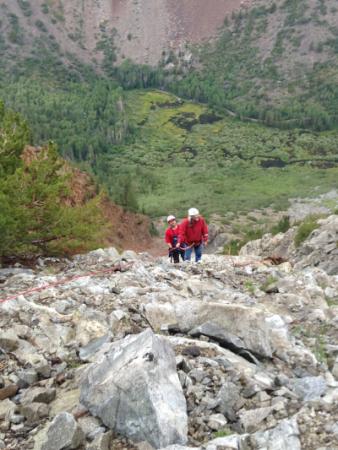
[245, 352]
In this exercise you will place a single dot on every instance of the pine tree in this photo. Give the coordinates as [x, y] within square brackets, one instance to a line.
[35, 218]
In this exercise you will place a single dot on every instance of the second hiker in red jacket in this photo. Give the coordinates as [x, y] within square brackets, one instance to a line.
[172, 237]
[193, 233]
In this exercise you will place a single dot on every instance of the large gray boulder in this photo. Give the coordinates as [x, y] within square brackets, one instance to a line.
[242, 327]
[133, 387]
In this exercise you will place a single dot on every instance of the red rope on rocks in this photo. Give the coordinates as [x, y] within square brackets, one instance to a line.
[63, 281]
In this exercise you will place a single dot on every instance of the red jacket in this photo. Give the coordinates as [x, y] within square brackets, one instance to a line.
[172, 235]
[193, 232]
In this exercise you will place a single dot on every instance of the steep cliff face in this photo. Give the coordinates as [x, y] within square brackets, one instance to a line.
[137, 29]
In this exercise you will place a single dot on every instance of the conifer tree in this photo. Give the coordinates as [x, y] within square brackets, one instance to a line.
[34, 215]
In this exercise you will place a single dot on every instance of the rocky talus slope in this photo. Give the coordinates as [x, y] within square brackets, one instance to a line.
[136, 29]
[131, 352]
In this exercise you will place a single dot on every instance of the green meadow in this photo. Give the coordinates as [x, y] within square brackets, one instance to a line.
[180, 154]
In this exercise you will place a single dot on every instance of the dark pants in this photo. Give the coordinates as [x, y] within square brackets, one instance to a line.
[175, 255]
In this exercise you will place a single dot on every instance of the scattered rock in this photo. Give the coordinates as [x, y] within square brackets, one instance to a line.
[64, 432]
[262, 360]
[309, 388]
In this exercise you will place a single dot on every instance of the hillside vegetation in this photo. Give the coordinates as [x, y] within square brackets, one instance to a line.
[181, 153]
[154, 152]
[277, 62]
[35, 216]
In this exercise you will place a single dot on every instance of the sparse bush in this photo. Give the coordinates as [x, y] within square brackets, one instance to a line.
[232, 248]
[41, 26]
[249, 286]
[268, 282]
[282, 226]
[322, 7]
[222, 433]
[305, 229]
[153, 230]
[26, 7]
[15, 34]
[45, 8]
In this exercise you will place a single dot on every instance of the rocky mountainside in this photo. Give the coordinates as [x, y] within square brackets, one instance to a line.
[111, 351]
[136, 29]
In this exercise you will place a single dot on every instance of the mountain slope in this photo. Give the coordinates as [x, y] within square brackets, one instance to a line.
[98, 30]
[277, 61]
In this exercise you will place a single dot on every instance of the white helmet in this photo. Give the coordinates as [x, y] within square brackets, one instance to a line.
[170, 218]
[193, 212]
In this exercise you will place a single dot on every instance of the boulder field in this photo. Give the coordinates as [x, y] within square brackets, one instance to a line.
[125, 351]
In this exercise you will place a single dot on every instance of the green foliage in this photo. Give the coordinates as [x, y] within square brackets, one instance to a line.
[41, 26]
[136, 76]
[249, 286]
[320, 343]
[222, 433]
[14, 135]
[233, 76]
[15, 34]
[34, 217]
[84, 119]
[232, 248]
[282, 226]
[107, 46]
[305, 229]
[26, 7]
[268, 282]
[332, 302]
[126, 195]
[156, 153]
[153, 230]
[45, 8]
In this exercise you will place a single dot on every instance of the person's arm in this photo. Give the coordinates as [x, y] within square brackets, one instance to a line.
[167, 237]
[181, 236]
[205, 236]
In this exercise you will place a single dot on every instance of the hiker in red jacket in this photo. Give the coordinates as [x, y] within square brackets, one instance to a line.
[194, 234]
[171, 238]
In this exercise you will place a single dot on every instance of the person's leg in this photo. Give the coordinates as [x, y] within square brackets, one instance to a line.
[182, 251]
[188, 252]
[176, 256]
[198, 252]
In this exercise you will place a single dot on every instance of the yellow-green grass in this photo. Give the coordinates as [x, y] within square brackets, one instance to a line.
[217, 166]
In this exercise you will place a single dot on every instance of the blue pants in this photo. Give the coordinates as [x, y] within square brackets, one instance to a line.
[198, 253]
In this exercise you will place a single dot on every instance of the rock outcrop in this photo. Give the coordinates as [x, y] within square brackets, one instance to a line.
[319, 249]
